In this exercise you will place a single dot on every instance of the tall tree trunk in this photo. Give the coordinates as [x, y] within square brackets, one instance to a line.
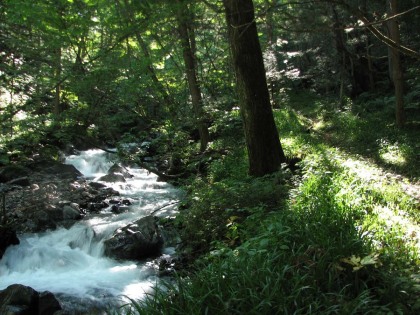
[265, 153]
[188, 47]
[58, 108]
[397, 73]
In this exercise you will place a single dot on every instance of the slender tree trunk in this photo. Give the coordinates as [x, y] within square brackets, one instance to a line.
[342, 54]
[397, 73]
[370, 64]
[188, 47]
[58, 109]
[269, 21]
[368, 55]
[265, 153]
[342, 79]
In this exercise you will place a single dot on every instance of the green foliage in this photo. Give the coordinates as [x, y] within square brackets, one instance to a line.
[219, 203]
[299, 262]
[336, 240]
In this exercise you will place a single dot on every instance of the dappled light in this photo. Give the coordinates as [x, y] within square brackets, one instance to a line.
[217, 157]
[391, 153]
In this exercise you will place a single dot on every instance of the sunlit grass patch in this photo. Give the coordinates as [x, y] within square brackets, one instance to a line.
[392, 153]
[399, 224]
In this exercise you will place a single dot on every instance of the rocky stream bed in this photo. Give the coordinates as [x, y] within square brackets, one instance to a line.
[81, 236]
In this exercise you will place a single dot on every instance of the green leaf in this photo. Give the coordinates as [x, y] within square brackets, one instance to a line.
[369, 260]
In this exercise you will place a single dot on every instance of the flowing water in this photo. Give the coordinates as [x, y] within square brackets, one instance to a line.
[70, 262]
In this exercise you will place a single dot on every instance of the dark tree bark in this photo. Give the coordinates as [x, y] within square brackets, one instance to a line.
[397, 73]
[265, 153]
[188, 46]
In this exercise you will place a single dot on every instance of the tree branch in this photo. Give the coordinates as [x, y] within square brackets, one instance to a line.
[377, 33]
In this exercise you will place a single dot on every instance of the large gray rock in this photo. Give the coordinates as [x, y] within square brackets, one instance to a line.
[116, 174]
[139, 240]
[7, 237]
[112, 178]
[71, 211]
[116, 168]
[18, 299]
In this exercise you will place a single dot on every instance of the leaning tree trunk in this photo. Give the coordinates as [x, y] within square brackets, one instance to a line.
[397, 73]
[265, 153]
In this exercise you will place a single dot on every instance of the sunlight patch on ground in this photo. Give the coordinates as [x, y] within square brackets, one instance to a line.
[290, 145]
[393, 158]
[378, 177]
[319, 125]
[391, 153]
[362, 170]
[394, 218]
[401, 222]
[289, 142]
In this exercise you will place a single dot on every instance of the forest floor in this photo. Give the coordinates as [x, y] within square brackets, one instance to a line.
[373, 149]
[341, 235]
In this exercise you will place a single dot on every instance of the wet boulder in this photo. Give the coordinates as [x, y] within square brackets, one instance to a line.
[119, 169]
[96, 206]
[117, 209]
[113, 178]
[71, 212]
[120, 205]
[18, 299]
[116, 174]
[139, 240]
[7, 238]
[48, 304]
[97, 185]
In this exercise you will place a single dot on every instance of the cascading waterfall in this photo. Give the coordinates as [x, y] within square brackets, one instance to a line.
[70, 262]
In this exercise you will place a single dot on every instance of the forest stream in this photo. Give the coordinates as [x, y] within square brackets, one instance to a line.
[71, 263]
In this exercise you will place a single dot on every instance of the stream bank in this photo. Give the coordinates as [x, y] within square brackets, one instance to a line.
[64, 217]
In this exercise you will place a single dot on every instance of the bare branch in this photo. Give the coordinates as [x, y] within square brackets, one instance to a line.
[377, 33]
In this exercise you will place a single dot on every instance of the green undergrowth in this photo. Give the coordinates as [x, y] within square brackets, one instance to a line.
[337, 237]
